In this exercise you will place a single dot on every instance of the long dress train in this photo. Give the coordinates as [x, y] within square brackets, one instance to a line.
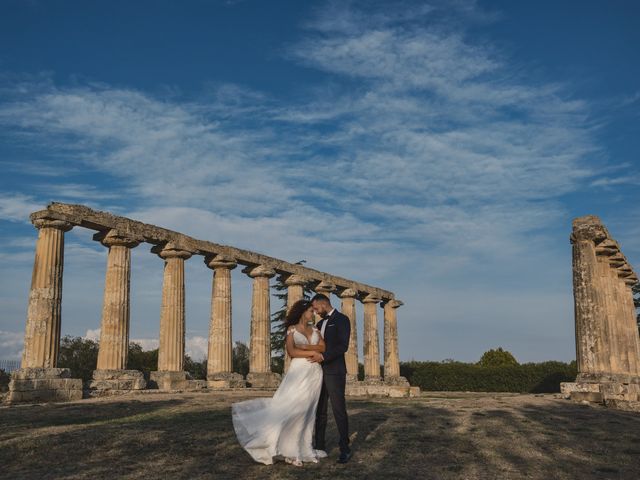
[283, 424]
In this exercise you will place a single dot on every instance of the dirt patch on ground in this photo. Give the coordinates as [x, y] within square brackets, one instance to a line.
[436, 436]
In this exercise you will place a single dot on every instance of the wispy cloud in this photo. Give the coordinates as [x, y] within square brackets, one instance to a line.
[427, 148]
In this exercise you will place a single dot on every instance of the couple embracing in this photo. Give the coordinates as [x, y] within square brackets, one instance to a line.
[292, 423]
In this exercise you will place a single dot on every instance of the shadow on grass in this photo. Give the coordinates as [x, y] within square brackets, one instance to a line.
[194, 438]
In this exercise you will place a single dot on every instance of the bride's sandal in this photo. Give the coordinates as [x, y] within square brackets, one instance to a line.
[293, 461]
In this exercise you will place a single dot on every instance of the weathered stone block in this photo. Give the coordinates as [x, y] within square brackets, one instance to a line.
[263, 380]
[169, 380]
[226, 380]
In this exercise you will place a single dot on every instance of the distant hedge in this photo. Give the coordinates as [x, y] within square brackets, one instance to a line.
[542, 377]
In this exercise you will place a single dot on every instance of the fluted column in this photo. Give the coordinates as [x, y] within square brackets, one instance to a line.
[172, 313]
[42, 334]
[391, 353]
[295, 291]
[220, 355]
[260, 374]
[627, 319]
[590, 316]
[371, 340]
[114, 328]
[348, 307]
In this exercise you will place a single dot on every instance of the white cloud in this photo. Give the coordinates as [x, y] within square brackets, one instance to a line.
[427, 151]
[11, 344]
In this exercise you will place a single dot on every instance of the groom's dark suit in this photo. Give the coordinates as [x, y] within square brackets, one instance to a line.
[336, 336]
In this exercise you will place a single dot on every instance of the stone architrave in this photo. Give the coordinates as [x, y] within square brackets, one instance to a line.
[295, 291]
[220, 352]
[391, 356]
[171, 374]
[260, 374]
[371, 340]
[348, 307]
[42, 335]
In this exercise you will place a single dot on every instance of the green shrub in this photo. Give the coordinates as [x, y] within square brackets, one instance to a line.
[497, 358]
[459, 376]
[4, 380]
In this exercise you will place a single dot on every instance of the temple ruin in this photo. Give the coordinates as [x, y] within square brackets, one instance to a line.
[39, 378]
[607, 341]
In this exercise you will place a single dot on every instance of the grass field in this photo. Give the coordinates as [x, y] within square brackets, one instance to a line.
[436, 436]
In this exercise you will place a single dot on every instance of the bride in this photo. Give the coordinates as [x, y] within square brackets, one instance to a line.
[283, 425]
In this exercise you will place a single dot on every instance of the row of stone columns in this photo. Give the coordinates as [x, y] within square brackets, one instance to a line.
[42, 335]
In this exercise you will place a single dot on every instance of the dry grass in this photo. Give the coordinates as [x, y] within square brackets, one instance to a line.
[438, 436]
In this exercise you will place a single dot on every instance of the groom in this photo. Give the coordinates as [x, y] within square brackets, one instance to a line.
[336, 329]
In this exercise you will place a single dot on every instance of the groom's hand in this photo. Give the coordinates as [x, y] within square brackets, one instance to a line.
[316, 357]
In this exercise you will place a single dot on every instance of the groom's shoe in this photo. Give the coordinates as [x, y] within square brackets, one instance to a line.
[345, 456]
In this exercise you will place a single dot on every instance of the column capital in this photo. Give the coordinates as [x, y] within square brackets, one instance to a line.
[260, 271]
[348, 293]
[296, 280]
[52, 223]
[325, 287]
[220, 261]
[113, 237]
[393, 303]
[171, 250]
[608, 248]
[371, 298]
[589, 227]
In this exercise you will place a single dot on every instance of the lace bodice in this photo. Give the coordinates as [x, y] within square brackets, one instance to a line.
[301, 338]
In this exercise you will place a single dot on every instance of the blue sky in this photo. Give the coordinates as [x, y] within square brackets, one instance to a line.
[436, 149]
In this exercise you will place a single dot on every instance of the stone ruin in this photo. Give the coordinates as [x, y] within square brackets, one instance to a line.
[607, 340]
[39, 379]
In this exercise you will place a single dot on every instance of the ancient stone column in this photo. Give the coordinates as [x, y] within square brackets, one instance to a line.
[630, 341]
[348, 307]
[110, 374]
[42, 335]
[260, 374]
[371, 340]
[295, 291]
[170, 372]
[592, 354]
[220, 356]
[114, 328]
[38, 379]
[391, 355]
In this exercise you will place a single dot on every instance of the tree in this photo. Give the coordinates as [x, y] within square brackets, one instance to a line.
[241, 358]
[4, 380]
[145, 361]
[497, 358]
[198, 370]
[80, 355]
[278, 332]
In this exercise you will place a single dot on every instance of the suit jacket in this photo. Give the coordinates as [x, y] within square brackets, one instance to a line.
[336, 338]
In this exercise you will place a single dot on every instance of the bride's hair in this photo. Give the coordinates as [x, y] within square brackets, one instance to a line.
[296, 311]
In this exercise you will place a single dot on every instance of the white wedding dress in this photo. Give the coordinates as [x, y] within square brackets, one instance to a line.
[283, 424]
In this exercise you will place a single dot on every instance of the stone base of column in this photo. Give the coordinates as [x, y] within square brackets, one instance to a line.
[372, 380]
[613, 394]
[115, 382]
[169, 380]
[352, 378]
[606, 378]
[362, 389]
[263, 380]
[225, 380]
[36, 385]
[400, 381]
